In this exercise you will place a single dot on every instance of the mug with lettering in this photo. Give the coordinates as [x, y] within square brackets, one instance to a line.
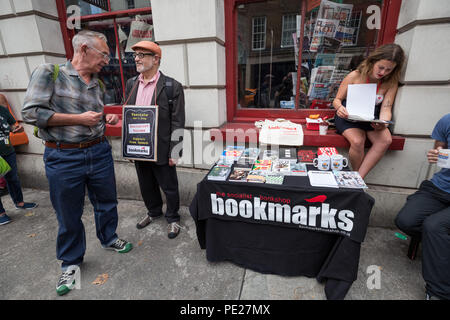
[322, 162]
[338, 162]
[444, 158]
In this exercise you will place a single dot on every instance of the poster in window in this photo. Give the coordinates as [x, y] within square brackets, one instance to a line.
[139, 31]
[139, 132]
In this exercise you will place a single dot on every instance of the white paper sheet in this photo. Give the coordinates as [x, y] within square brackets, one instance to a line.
[361, 100]
[322, 179]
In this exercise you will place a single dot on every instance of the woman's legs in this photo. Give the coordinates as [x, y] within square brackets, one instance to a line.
[357, 138]
[381, 140]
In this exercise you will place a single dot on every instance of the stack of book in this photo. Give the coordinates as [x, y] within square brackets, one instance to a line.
[257, 176]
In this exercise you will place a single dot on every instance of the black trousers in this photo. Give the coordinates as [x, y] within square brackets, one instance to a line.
[427, 213]
[152, 177]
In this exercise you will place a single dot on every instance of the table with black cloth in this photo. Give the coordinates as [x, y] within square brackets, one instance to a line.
[292, 229]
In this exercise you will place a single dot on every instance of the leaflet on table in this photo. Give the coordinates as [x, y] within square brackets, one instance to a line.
[233, 152]
[322, 179]
[349, 179]
[219, 173]
[239, 175]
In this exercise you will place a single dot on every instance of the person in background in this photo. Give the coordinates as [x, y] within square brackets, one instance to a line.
[67, 107]
[7, 124]
[427, 214]
[383, 67]
[150, 87]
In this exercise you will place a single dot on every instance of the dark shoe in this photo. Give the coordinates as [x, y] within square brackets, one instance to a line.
[145, 222]
[120, 246]
[27, 206]
[173, 229]
[431, 297]
[4, 219]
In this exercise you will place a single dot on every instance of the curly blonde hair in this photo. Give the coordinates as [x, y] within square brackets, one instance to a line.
[391, 52]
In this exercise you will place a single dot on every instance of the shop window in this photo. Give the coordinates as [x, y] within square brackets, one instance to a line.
[269, 80]
[124, 23]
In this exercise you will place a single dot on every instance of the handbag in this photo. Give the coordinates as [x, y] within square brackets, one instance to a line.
[4, 167]
[16, 138]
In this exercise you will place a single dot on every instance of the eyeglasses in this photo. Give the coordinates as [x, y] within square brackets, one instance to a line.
[105, 56]
[141, 55]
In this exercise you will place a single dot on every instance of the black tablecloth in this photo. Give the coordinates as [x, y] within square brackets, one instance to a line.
[292, 229]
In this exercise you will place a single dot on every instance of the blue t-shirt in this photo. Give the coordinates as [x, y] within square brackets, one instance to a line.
[441, 132]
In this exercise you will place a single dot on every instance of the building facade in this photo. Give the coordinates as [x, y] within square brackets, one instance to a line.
[238, 63]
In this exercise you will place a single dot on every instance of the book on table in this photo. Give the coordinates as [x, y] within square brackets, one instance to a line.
[298, 169]
[306, 155]
[289, 154]
[219, 173]
[274, 178]
[349, 179]
[239, 174]
[282, 166]
[257, 176]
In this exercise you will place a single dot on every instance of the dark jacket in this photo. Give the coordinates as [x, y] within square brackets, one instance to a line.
[168, 120]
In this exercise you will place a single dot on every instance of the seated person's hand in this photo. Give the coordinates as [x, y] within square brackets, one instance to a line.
[432, 155]
[378, 126]
[342, 112]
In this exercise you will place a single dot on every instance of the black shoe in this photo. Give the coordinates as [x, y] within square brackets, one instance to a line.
[173, 230]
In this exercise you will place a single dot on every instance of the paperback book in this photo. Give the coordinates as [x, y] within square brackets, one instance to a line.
[265, 165]
[306, 156]
[288, 154]
[298, 169]
[257, 176]
[281, 166]
[219, 173]
[239, 175]
[349, 179]
[274, 178]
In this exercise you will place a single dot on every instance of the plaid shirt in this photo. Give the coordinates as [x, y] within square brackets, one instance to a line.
[67, 94]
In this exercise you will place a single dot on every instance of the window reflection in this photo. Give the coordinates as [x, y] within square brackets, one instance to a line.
[110, 74]
[336, 38]
[101, 6]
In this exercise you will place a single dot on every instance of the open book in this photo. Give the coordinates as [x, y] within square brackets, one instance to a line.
[361, 102]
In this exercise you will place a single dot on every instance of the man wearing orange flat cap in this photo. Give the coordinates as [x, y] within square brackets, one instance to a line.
[152, 87]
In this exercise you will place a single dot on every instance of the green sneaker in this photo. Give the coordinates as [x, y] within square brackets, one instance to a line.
[120, 246]
[67, 281]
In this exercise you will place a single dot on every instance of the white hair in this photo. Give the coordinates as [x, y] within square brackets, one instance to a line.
[86, 37]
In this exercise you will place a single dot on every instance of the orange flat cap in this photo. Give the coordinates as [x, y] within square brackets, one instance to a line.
[148, 45]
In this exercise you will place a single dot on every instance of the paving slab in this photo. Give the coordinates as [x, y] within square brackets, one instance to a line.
[162, 269]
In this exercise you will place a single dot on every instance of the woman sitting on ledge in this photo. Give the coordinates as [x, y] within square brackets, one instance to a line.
[383, 67]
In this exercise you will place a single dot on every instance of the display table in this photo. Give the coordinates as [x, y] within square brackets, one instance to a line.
[292, 229]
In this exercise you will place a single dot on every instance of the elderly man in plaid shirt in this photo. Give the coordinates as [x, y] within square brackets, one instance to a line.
[65, 103]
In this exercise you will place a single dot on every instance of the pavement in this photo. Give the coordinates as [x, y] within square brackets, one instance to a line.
[162, 269]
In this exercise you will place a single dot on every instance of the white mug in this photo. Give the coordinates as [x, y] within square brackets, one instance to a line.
[322, 162]
[444, 158]
[338, 162]
[323, 128]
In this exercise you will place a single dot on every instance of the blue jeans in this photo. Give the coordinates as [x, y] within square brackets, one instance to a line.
[69, 172]
[12, 181]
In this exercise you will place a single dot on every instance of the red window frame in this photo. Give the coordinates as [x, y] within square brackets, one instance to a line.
[389, 18]
[69, 34]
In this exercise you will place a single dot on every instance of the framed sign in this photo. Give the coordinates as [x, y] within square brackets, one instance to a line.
[139, 132]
